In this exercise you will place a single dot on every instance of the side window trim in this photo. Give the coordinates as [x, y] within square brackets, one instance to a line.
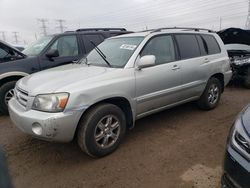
[174, 43]
[200, 47]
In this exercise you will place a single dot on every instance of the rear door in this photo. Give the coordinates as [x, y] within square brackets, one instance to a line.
[157, 86]
[68, 48]
[194, 69]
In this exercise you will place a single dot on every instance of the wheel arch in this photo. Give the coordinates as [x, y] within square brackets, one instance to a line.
[122, 102]
[220, 77]
[11, 76]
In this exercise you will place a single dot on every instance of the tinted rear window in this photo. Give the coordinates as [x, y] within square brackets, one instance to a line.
[202, 45]
[212, 45]
[188, 46]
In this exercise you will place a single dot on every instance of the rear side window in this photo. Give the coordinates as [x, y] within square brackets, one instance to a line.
[212, 45]
[96, 39]
[162, 47]
[188, 46]
[203, 45]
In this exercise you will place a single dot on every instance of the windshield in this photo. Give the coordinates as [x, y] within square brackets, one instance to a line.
[36, 47]
[116, 50]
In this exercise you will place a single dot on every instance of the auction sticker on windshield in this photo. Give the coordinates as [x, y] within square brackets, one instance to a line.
[128, 46]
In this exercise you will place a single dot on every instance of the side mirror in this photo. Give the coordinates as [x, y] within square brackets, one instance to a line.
[52, 53]
[146, 61]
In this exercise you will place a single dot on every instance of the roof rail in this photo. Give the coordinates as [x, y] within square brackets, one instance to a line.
[101, 29]
[183, 28]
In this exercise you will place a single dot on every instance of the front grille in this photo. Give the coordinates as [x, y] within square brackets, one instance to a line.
[21, 96]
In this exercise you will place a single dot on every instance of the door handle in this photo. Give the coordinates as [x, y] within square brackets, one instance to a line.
[206, 60]
[175, 67]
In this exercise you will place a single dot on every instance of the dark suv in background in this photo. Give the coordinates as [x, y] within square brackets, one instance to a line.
[9, 53]
[47, 52]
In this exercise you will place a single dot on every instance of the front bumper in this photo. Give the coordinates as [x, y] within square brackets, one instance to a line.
[58, 127]
[236, 170]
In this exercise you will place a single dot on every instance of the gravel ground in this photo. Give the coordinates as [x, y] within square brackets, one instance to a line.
[181, 147]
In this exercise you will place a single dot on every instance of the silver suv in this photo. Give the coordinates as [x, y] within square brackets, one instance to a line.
[121, 80]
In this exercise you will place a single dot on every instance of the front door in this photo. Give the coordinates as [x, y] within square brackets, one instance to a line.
[158, 86]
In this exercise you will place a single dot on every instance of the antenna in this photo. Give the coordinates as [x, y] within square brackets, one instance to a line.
[60, 25]
[248, 17]
[44, 26]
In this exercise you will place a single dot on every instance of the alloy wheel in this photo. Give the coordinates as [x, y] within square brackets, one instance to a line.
[107, 131]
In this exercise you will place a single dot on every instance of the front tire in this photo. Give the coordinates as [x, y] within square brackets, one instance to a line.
[6, 93]
[211, 95]
[101, 130]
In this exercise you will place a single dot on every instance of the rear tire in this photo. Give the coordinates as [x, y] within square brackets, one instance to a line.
[101, 130]
[211, 95]
[6, 92]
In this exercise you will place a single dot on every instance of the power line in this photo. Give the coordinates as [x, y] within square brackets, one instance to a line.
[61, 25]
[43, 25]
[171, 9]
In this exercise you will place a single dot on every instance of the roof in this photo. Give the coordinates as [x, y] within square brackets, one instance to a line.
[167, 30]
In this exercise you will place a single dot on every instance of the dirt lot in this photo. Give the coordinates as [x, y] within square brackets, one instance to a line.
[181, 147]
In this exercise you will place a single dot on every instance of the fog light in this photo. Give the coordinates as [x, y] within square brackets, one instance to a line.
[37, 128]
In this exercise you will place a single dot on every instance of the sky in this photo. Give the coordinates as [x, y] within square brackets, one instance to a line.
[22, 15]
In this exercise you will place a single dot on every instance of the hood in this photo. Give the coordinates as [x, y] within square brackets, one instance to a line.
[235, 36]
[52, 80]
[246, 119]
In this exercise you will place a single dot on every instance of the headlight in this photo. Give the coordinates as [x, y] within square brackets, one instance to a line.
[50, 102]
[239, 138]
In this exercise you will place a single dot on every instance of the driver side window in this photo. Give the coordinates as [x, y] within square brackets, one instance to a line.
[162, 47]
[67, 46]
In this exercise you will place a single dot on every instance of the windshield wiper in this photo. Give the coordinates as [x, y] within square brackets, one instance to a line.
[100, 53]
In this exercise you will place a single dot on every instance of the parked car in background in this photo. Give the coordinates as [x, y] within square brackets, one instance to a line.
[49, 51]
[237, 43]
[123, 79]
[237, 158]
[9, 53]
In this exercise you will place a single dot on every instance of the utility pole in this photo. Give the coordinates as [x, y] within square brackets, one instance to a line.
[16, 37]
[3, 35]
[220, 23]
[43, 25]
[248, 17]
[61, 25]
